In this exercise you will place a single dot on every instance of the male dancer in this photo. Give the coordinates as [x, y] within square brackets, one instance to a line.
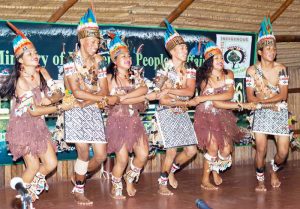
[267, 82]
[177, 84]
[86, 78]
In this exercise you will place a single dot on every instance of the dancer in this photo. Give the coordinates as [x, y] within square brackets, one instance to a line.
[267, 82]
[176, 83]
[85, 78]
[27, 133]
[125, 131]
[215, 123]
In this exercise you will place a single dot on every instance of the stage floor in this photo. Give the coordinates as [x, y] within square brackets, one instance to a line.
[237, 191]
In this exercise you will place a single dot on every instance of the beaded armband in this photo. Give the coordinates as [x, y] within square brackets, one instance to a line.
[249, 81]
[103, 102]
[283, 78]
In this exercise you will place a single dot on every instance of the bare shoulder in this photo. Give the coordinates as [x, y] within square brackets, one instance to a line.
[250, 70]
[230, 74]
[279, 66]
[22, 83]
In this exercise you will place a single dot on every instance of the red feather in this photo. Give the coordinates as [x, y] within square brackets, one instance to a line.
[111, 35]
[15, 29]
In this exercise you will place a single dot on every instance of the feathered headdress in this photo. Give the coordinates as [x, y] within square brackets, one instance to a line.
[20, 42]
[87, 26]
[265, 36]
[211, 49]
[116, 44]
[172, 38]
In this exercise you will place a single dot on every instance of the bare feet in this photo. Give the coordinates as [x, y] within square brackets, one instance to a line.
[261, 187]
[130, 188]
[208, 186]
[275, 183]
[81, 199]
[117, 194]
[217, 178]
[172, 180]
[163, 190]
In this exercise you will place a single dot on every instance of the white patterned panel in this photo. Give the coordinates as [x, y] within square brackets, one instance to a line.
[176, 129]
[271, 122]
[84, 125]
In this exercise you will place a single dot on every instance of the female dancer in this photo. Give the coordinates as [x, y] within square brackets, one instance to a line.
[27, 132]
[215, 126]
[124, 130]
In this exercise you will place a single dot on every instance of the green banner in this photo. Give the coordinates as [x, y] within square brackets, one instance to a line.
[146, 45]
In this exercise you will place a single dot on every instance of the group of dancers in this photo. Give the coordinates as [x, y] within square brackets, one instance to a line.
[92, 87]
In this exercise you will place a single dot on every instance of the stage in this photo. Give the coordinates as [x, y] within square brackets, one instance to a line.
[237, 191]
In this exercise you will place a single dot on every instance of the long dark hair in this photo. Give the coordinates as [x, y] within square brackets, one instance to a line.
[111, 69]
[204, 72]
[8, 87]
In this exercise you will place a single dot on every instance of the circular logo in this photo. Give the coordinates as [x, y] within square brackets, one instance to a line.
[234, 55]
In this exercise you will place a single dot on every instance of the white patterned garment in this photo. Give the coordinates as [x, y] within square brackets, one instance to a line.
[176, 129]
[174, 124]
[271, 122]
[84, 125]
[268, 121]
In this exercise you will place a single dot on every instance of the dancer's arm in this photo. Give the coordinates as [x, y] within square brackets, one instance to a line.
[150, 97]
[283, 89]
[173, 102]
[233, 105]
[250, 84]
[103, 92]
[45, 110]
[84, 95]
[140, 91]
[188, 91]
[81, 94]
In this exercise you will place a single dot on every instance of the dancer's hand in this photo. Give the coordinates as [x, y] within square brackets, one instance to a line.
[67, 106]
[81, 104]
[112, 100]
[164, 92]
[192, 102]
[122, 97]
[78, 104]
[249, 106]
[200, 99]
[152, 96]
